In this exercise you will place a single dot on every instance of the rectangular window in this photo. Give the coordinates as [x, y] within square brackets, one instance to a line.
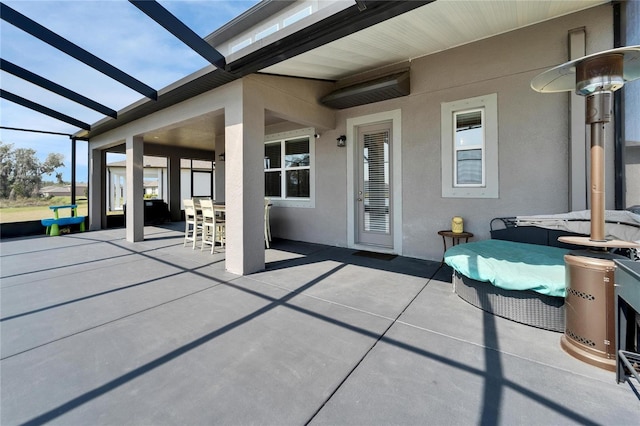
[469, 147]
[272, 170]
[240, 45]
[287, 168]
[262, 34]
[297, 168]
[297, 16]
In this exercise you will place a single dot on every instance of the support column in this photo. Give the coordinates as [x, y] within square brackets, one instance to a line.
[174, 185]
[97, 161]
[244, 183]
[135, 189]
[219, 180]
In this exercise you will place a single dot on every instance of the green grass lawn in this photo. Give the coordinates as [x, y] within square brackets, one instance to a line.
[36, 209]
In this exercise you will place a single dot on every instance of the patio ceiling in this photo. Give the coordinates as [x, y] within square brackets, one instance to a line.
[429, 29]
[198, 132]
[432, 28]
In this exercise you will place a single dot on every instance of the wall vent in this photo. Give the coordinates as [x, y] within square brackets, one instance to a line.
[380, 89]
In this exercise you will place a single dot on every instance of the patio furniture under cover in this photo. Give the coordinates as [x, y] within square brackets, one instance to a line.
[518, 281]
[511, 265]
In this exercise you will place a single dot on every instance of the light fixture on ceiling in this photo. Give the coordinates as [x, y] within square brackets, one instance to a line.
[342, 140]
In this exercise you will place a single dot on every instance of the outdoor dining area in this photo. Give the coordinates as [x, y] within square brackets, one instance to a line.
[205, 221]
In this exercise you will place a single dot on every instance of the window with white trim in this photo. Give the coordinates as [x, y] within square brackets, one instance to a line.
[262, 34]
[244, 43]
[297, 16]
[288, 169]
[469, 143]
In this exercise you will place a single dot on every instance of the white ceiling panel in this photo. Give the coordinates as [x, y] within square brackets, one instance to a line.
[438, 26]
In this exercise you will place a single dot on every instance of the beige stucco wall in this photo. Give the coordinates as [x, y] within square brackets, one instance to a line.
[533, 139]
[632, 171]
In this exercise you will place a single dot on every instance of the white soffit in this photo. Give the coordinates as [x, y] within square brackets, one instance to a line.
[435, 27]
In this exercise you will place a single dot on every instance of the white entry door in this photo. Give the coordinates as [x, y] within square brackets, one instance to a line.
[374, 186]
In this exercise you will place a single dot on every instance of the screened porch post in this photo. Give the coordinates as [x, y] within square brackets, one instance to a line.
[135, 189]
[244, 184]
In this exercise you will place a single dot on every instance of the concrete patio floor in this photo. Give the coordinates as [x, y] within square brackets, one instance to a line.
[99, 331]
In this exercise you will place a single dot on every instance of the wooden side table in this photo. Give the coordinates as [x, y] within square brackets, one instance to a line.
[455, 239]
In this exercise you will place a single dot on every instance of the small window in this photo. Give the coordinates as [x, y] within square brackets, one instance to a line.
[297, 168]
[297, 16]
[469, 148]
[272, 170]
[262, 34]
[240, 45]
[288, 163]
[469, 145]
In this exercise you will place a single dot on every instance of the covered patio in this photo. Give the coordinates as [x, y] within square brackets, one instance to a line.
[321, 336]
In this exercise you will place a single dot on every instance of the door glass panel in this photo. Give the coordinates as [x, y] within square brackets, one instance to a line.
[376, 182]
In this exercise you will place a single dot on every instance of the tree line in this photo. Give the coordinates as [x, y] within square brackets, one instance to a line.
[21, 171]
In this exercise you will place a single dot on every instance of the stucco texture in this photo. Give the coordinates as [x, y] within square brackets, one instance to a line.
[532, 138]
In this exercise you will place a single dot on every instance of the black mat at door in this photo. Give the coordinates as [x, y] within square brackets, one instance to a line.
[374, 255]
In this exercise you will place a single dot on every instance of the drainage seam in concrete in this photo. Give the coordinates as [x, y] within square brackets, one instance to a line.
[321, 299]
[109, 322]
[479, 345]
[355, 367]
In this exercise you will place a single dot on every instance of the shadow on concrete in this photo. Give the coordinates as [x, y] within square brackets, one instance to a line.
[495, 381]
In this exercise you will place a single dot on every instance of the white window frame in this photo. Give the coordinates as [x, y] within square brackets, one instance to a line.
[282, 138]
[490, 187]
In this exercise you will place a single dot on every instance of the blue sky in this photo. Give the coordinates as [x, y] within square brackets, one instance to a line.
[115, 31]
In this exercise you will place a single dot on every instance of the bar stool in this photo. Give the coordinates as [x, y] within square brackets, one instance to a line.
[192, 227]
[267, 224]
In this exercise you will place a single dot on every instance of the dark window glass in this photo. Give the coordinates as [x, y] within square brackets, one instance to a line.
[298, 183]
[272, 184]
[272, 155]
[468, 120]
[297, 153]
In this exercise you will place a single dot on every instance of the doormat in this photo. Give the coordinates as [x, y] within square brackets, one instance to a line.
[374, 255]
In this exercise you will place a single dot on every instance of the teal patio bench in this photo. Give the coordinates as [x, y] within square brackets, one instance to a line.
[53, 225]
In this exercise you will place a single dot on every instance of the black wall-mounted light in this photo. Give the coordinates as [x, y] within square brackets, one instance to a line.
[342, 140]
